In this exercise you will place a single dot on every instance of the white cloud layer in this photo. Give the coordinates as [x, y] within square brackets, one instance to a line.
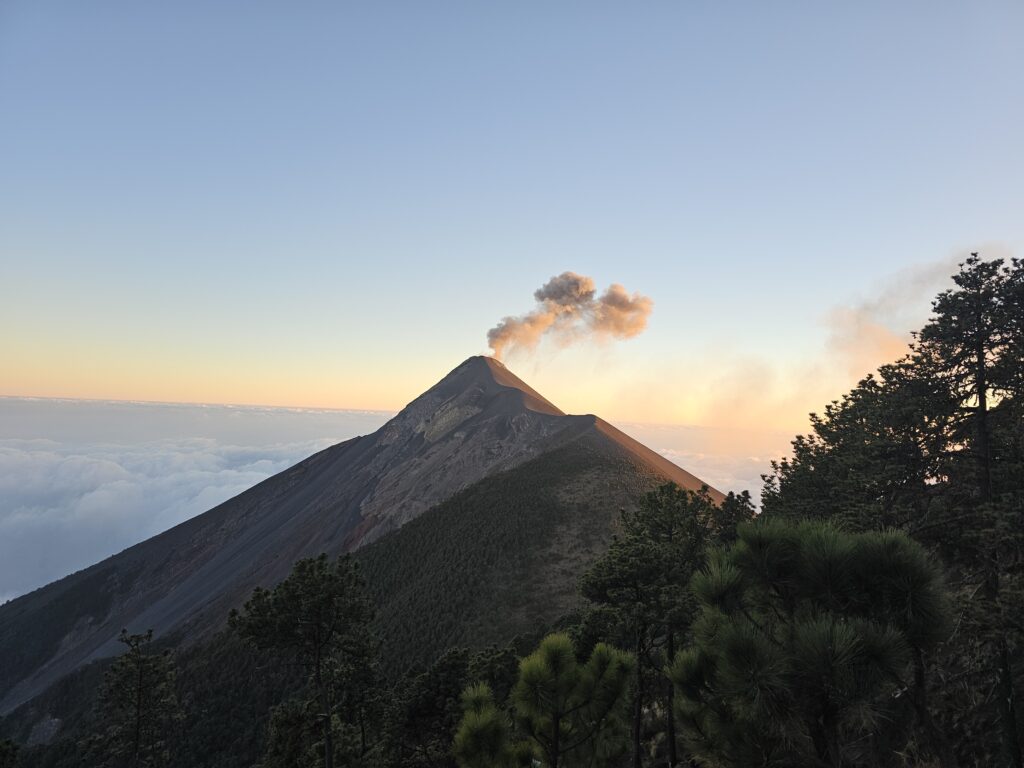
[67, 501]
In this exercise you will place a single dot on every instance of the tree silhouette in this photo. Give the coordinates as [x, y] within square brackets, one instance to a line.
[137, 708]
[319, 618]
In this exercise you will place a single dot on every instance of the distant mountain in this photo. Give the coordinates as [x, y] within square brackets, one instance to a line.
[480, 478]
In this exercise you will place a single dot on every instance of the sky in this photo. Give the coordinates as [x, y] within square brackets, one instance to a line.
[327, 205]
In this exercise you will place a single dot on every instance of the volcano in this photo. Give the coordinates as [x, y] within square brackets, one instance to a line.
[480, 477]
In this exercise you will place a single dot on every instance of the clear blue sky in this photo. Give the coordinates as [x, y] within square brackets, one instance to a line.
[330, 203]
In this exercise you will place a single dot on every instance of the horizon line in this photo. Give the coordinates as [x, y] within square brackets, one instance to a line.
[194, 403]
[382, 411]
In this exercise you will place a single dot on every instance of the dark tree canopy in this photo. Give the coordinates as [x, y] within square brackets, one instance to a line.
[318, 618]
[636, 587]
[805, 645]
[566, 713]
[934, 445]
[137, 713]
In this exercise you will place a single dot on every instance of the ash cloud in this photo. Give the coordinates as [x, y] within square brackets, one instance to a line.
[568, 311]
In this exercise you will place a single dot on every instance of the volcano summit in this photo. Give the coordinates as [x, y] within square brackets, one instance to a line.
[449, 485]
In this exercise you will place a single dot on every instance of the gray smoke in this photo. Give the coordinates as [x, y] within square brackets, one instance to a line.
[569, 310]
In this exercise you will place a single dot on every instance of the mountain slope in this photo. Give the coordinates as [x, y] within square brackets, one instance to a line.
[478, 422]
[503, 557]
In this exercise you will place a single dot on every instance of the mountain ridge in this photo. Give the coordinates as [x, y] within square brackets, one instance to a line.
[477, 422]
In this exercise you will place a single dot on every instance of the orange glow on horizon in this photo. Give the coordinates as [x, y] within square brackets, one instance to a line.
[745, 395]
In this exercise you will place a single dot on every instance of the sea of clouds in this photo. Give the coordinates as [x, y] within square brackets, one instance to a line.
[83, 480]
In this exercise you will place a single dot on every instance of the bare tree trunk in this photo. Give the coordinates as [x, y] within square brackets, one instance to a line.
[556, 746]
[138, 705]
[325, 715]
[638, 702]
[940, 744]
[673, 757]
[1007, 703]
[981, 422]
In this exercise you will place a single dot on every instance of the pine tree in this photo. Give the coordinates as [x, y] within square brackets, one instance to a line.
[318, 617]
[573, 713]
[933, 445]
[873, 460]
[483, 739]
[289, 736]
[137, 710]
[427, 708]
[973, 345]
[641, 581]
[425, 713]
[567, 714]
[806, 642]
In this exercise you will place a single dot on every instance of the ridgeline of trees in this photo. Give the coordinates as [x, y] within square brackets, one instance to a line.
[872, 614]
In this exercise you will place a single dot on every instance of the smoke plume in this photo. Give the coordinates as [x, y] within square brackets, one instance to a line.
[569, 310]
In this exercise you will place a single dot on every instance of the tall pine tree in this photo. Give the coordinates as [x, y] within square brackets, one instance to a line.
[318, 618]
[660, 546]
[805, 646]
[567, 714]
[972, 346]
[934, 445]
[137, 710]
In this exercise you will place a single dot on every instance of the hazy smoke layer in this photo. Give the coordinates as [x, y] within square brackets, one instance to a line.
[569, 310]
